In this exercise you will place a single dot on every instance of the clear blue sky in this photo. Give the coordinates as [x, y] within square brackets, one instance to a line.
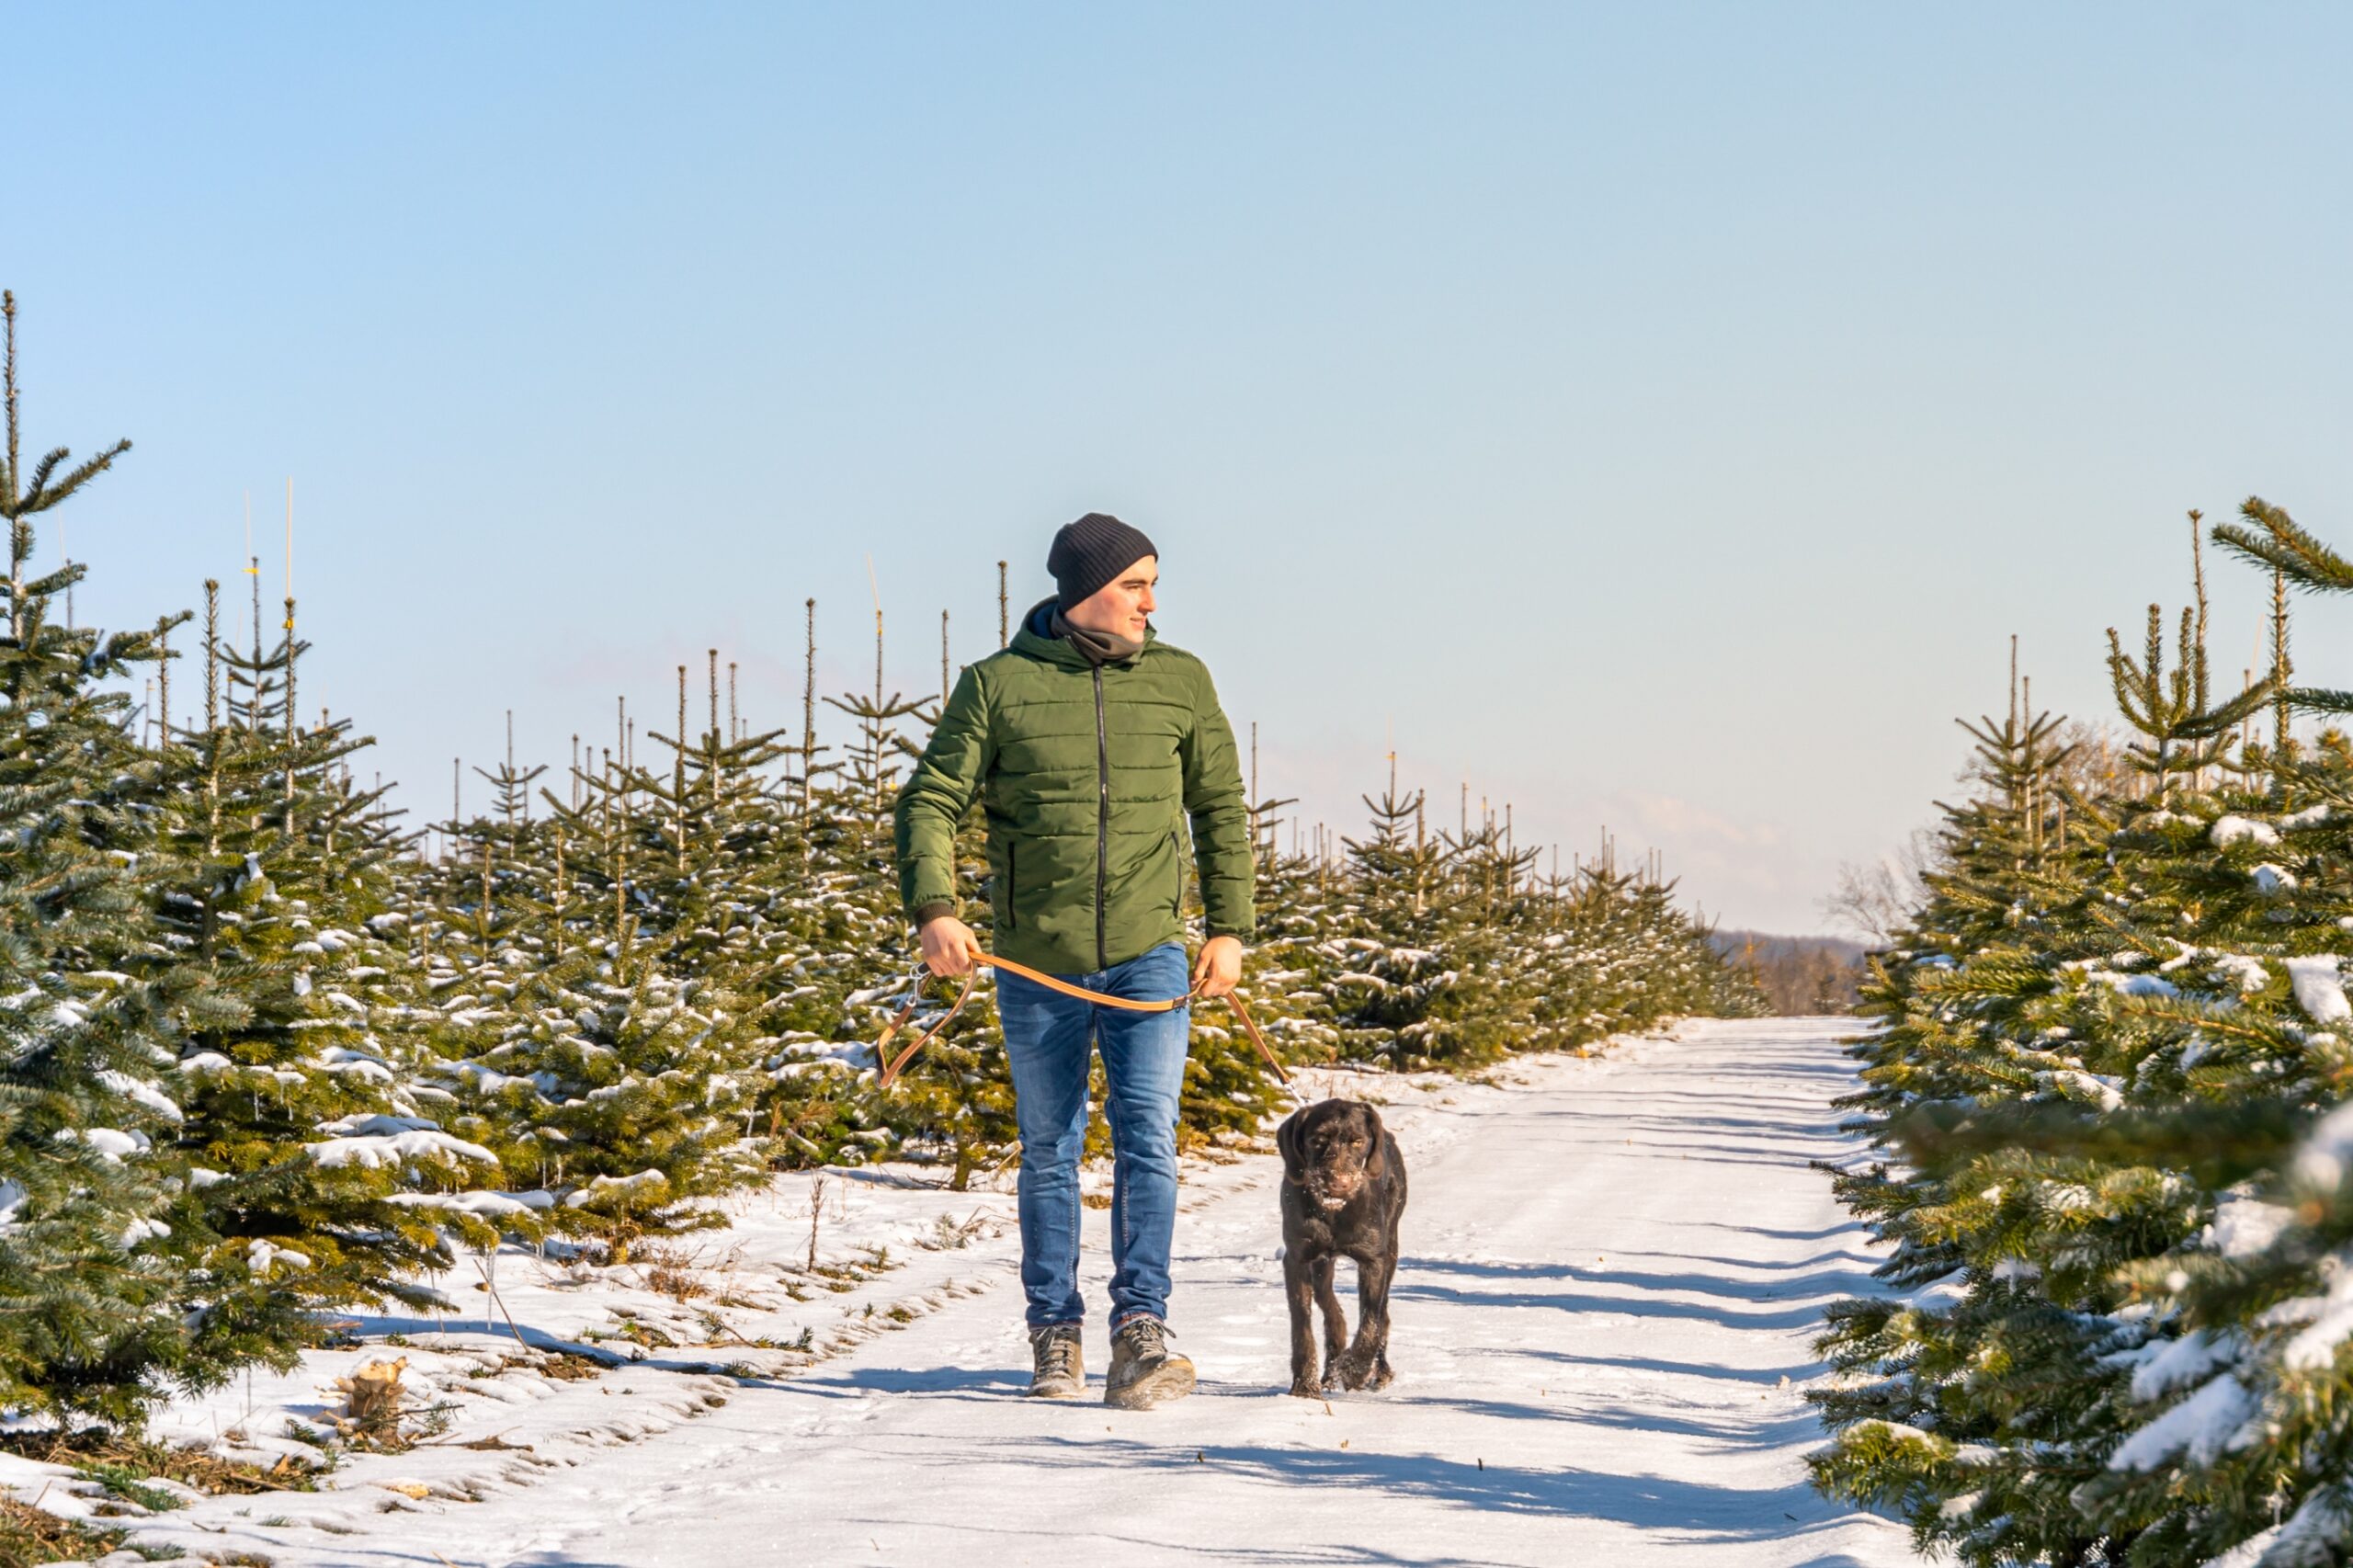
[1663, 415]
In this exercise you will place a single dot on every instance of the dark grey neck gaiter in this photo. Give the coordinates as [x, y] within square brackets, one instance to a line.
[1100, 647]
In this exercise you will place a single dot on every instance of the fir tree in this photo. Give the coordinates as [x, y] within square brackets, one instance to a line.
[301, 1142]
[2087, 1042]
[88, 994]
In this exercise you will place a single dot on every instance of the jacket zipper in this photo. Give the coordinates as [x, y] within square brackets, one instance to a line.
[1009, 917]
[1102, 821]
[1177, 849]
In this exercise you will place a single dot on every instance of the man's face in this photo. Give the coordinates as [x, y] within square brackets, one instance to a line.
[1122, 605]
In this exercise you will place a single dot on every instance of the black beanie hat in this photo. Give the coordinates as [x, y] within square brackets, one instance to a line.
[1090, 552]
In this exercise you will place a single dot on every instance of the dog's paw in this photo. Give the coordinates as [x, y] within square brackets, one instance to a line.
[1302, 1388]
[1380, 1377]
[1357, 1369]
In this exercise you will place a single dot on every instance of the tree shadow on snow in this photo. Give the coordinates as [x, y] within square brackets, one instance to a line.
[1844, 1228]
[1796, 1373]
[1785, 1430]
[1801, 1316]
[1819, 1285]
[1725, 1431]
[992, 1383]
[422, 1332]
[1082, 1540]
[1861, 1262]
[1691, 1509]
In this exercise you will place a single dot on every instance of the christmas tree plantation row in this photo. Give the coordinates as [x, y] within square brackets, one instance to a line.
[263, 1057]
[2112, 1081]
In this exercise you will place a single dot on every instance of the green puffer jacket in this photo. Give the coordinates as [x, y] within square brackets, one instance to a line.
[1086, 776]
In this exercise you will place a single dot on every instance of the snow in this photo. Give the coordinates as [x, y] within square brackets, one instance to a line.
[2319, 989]
[376, 1126]
[2230, 830]
[12, 1199]
[1612, 1269]
[2183, 1360]
[2245, 1226]
[2314, 1534]
[2327, 1150]
[141, 1230]
[2099, 1089]
[2246, 974]
[145, 1094]
[616, 1187]
[2270, 881]
[111, 1143]
[2314, 1349]
[342, 1059]
[396, 1148]
[486, 1205]
[2133, 984]
[261, 1255]
[2201, 1425]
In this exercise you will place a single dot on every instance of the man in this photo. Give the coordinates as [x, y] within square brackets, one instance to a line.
[1089, 742]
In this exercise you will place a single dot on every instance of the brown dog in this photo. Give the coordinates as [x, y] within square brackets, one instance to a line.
[1344, 1189]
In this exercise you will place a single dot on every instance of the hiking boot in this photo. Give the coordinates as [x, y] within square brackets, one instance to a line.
[1060, 1366]
[1144, 1372]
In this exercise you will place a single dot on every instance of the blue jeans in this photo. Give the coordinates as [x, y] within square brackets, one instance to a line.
[1049, 1038]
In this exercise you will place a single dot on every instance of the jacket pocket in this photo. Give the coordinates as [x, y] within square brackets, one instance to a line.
[1176, 859]
[1010, 850]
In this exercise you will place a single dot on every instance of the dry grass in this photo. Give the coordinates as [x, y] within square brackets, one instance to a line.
[564, 1367]
[29, 1536]
[674, 1283]
[139, 1459]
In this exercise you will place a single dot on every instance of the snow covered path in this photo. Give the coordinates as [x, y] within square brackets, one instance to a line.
[1611, 1269]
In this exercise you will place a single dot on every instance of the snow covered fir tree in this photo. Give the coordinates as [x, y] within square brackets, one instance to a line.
[273, 1055]
[2111, 1085]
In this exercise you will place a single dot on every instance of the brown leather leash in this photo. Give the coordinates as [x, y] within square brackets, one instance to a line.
[891, 1065]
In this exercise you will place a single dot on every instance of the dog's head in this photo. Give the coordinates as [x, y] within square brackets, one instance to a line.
[1332, 1148]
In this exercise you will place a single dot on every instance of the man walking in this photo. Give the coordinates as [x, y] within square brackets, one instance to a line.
[1089, 743]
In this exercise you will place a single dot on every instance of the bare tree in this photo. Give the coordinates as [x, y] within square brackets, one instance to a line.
[1876, 901]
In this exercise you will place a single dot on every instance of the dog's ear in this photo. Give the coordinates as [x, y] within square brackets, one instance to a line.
[1375, 1166]
[1287, 1140]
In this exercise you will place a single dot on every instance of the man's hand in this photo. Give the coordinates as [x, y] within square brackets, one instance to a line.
[949, 945]
[1219, 968]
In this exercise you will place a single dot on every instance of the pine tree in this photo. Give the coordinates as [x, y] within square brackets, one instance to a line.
[870, 951]
[1425, 944]
[1286, 983]
[304, 1146]
[627, 1083]
[2075, 1029]
[88, 994]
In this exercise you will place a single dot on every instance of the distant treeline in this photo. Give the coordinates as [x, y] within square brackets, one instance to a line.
[1799, 975]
